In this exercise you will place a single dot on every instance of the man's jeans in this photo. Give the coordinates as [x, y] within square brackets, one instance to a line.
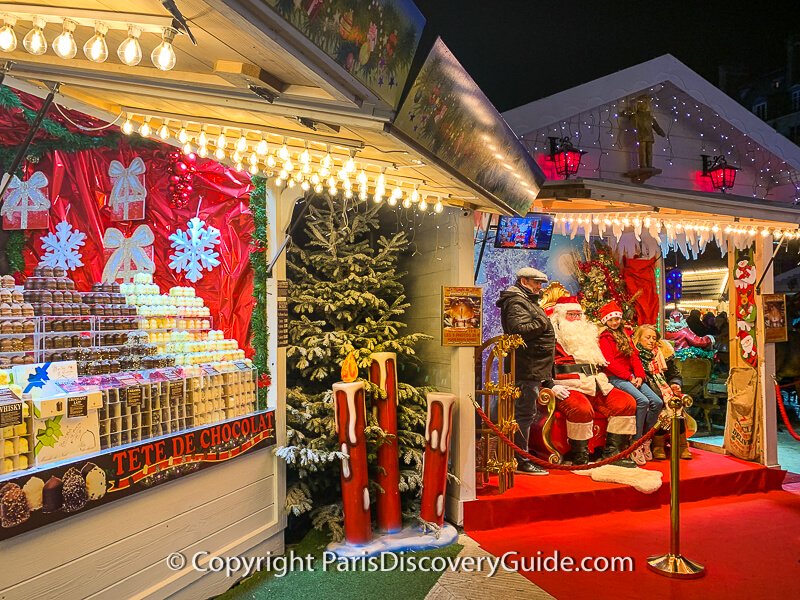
[648, 404]
[525, 411]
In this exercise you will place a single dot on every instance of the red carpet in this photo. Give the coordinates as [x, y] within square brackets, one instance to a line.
[562, 495]
[750, 546]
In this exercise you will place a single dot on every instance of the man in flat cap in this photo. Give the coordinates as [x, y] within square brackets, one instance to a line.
[521, 314]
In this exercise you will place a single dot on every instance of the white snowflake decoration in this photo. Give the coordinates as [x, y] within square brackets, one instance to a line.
[194, 249]
[62, 248]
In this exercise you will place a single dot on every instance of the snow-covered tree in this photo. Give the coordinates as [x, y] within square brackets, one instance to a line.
[345, 295]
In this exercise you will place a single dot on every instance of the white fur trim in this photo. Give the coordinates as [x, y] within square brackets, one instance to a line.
[622, 425]
[566, 307]
[579, 431]
[642, 480]
[610, 316]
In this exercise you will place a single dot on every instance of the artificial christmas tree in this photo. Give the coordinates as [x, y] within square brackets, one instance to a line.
[345, 296]
[600, 281]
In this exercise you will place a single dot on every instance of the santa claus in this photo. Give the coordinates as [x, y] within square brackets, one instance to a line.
[578, 366]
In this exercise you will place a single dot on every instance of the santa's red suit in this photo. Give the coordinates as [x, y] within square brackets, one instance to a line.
[579, 361]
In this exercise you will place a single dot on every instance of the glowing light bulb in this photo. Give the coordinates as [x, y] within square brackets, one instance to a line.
[362, 177]
[319, 188]
[95, 48]
[381, 180]
[414, 196]
[163, 131]
[279, 182]
[271, 161]
[326, 161]
[253, 169]
[145, 130]
[130, 50]
[377, 197]
[34, 41]
[64, 45]
[407, 202]
[306, 169]
[350, 165]
[284, 174]
[305, 185]
[163, 55]
[422, 206]
[397, 193]
[298, 177]
[253, 160]
[221, 141]
[127, 126]
[438, 207]
[305, 157]
[283, 153]
[392, 201]
[332, 191]
[262, 147]
[236, 156]
[331, 182]
[202, 139]
[241, 143]
[202, 151]
[288, 165]
[219, 153]
[183, 137]
[187, 148]
[8, 38]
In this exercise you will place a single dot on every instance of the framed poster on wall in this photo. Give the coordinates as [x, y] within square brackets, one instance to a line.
[775, 328]
[462, 316]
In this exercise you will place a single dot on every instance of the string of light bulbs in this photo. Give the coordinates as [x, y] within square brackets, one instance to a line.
[65, 45]
[657, 223]
[309, 168]
[700, 126]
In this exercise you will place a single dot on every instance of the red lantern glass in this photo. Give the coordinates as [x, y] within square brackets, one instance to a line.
[566, 157]
[722, 175]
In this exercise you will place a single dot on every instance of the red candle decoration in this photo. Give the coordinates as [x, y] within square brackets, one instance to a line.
[351, 420]
[438, 428]
[383, 373]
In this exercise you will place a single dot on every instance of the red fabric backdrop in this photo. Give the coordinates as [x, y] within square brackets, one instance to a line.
[640, 274]
[78, 189]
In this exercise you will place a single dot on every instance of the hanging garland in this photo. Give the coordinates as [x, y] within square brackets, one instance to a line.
[62, 139]
[258, 260]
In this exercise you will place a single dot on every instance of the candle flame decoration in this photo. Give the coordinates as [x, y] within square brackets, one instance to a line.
[349, 368]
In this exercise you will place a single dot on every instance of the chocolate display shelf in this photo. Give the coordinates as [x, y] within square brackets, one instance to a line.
[189, 329]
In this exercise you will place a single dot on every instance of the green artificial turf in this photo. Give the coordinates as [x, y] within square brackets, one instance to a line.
[331, 584]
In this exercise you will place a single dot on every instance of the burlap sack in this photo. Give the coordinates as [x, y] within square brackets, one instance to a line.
[742, 431]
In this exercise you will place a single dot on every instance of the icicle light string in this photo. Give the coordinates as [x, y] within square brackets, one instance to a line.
[717, 137]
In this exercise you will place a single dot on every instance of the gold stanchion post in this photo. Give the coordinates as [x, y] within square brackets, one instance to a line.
[673, 564]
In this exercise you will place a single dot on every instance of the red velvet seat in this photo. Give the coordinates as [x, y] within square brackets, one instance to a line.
[548, 437]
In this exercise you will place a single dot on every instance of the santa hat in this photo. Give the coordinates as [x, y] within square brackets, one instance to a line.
[568, 303]
[610, 311]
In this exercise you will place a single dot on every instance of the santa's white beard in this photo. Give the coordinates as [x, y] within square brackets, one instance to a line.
[579, 340]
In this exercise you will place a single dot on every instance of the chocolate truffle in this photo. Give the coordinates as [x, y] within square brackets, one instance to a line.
[33, 492]
[52, 495]
[75, 493]
[13, 507]
[95, 479]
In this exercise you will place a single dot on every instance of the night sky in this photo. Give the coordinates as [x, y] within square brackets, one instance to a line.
[519, 51]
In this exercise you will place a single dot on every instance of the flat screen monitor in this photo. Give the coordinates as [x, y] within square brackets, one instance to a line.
[534, 231]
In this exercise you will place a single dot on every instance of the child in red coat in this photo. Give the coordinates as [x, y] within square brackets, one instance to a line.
[625, 371]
